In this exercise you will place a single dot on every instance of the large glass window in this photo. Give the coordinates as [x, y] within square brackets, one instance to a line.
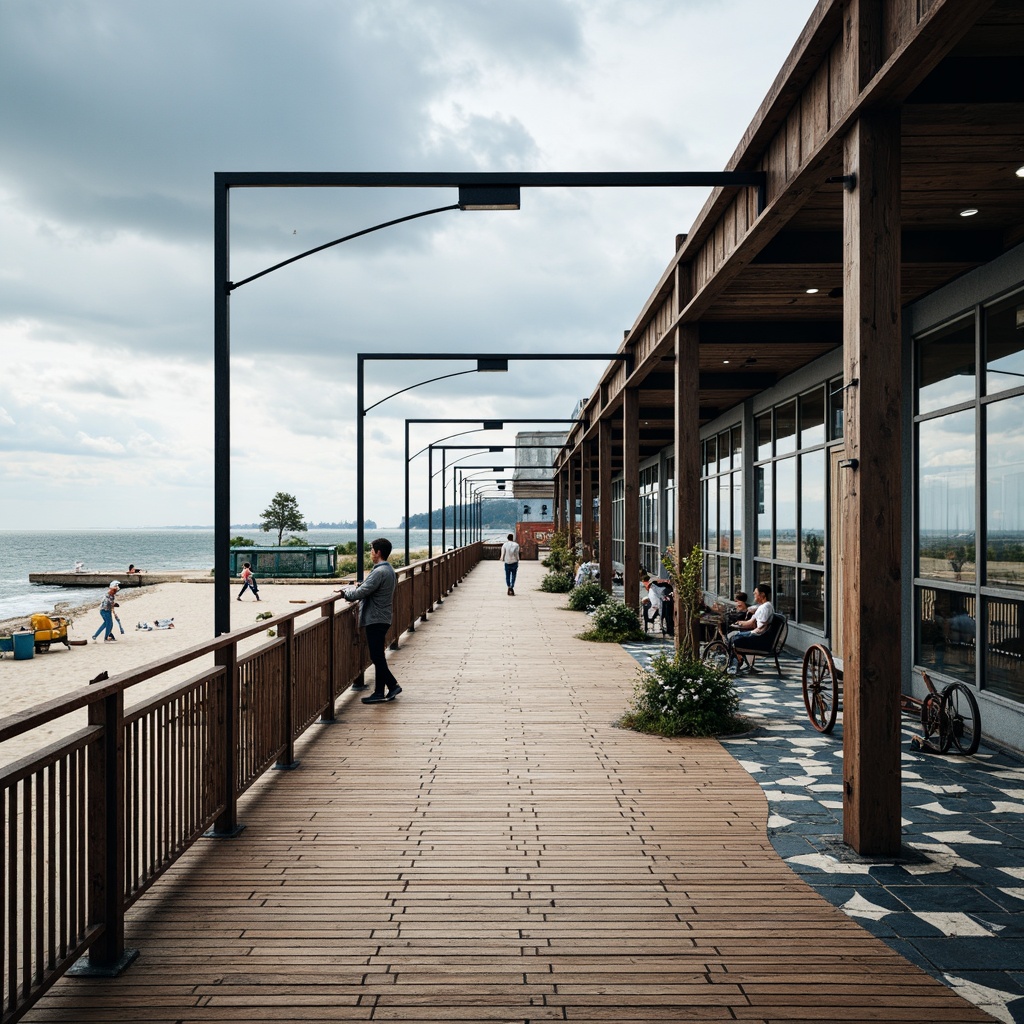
[1005, 493]
[722, 498]
[618, 521]
[650, 546]
[970, 523]
[1004, 648]
[1004, 345]
[791, 480]
[812, 507]
[945, 481]
[945, 367]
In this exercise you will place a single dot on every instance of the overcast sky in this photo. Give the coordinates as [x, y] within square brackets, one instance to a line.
[114, 116]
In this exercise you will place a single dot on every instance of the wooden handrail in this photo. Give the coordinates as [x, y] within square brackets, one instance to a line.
[128, 795]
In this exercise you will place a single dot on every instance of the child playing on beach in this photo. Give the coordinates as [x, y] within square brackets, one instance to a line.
[248, 582]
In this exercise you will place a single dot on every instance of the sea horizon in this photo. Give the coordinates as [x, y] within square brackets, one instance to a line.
[112, 549]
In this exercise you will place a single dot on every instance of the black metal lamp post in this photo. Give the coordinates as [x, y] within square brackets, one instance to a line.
[479, 191]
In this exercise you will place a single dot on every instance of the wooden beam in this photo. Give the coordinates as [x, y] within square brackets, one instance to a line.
[687, 445]
[870, 489]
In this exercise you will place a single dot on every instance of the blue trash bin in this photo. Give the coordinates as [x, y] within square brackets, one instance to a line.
[24, 645]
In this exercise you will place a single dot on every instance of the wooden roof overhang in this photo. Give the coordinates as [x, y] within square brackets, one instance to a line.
[956, 73]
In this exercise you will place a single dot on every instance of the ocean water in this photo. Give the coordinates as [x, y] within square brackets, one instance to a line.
[110, 552]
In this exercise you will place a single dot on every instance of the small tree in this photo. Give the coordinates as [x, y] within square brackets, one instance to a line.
[282, 514]
[687, 581]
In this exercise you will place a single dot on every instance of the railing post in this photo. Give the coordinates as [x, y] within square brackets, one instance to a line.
[107, 956]
[286, 762]
[411, 624]
[226, 826]
[327, 715]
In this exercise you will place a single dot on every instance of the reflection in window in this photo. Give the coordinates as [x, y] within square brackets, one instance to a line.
[710, 454]
[711, 537]
[945, 367]
[812, 418]
[785, 428]
[1005, 493]
[1004, 647]
[1004, 346]
[945, 480]
[737, 514]
[725, 507]
[946, 628]
[785, 509]
[764, 510]
[724, 451]
[812, 507]
[737, 447]
[835, 409]
[812, 598]
[764, 436]
[784, 591]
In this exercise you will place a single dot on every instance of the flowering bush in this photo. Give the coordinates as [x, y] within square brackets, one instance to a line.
[614, 623]
[683, 698]
[587, 596]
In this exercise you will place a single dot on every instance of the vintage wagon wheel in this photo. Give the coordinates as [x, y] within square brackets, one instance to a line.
[964, 718]
[935, 721]
[716, 655]
[821, 687]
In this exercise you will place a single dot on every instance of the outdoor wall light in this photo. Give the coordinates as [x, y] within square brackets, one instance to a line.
[488, 197]
[970, 211]
[493, 425]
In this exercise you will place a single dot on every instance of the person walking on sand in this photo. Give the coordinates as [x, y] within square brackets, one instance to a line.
[248, 582]
[107, 606]
[510, 556]
[375, 595]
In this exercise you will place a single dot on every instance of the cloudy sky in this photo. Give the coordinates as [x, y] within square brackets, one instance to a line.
[114, 116]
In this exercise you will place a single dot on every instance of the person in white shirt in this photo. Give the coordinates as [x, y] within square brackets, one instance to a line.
[753, 631]
[510, 556]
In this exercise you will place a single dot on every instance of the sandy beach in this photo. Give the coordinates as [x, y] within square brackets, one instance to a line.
[62, 670]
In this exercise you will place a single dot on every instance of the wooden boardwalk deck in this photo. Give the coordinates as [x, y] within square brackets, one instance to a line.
[490, 848]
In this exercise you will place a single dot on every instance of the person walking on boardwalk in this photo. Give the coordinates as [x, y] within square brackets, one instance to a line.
[107, 606]
[510, 556]
[248, 582]
[375, 595]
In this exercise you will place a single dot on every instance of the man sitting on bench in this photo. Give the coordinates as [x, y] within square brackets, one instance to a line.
[752, 633]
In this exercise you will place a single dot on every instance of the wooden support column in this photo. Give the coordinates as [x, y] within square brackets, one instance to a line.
[604, 495]
[586, 501]
[570, 497]
[687, 444]
[870, 486]
[556, 500]
[631, 493]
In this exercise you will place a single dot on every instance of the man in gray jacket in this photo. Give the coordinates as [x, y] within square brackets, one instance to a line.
[376, 593]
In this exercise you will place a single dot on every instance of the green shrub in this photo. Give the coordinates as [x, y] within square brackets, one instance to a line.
[562, 556]
[557, 582]
[683, 698]
[587, 596]
[614, 623]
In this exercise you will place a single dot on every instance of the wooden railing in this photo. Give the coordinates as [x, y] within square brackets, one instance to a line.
[92, 821]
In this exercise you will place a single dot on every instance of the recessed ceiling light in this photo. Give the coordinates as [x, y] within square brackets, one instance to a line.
[812, 291]
[1020, 171]
[725, 362]
[969, 212]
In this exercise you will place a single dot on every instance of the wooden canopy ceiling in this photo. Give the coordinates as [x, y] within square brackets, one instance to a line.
[962, 144]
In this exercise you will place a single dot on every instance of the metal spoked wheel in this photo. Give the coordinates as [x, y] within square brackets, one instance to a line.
[716, 655]
[964, 718]
[935, 721]
[821, 687]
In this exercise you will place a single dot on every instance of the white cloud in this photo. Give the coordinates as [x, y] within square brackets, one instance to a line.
[116, 116]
